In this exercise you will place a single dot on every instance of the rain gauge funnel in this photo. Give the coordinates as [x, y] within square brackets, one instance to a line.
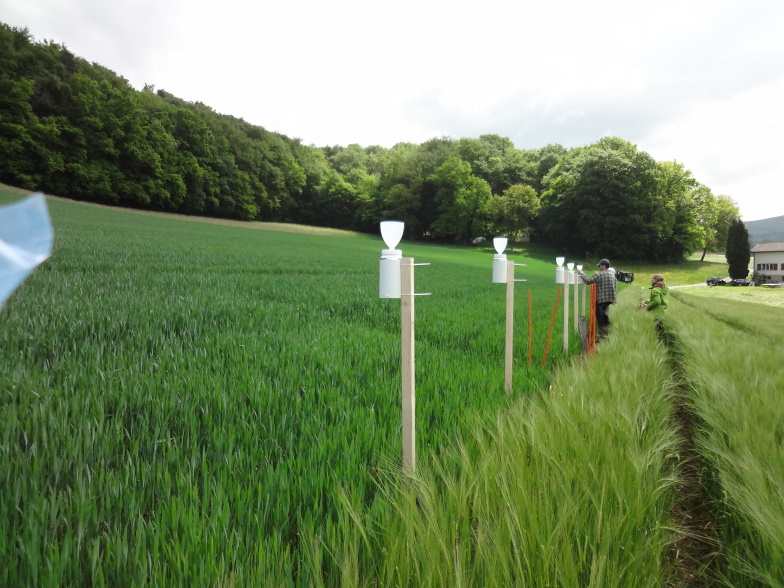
[499, 260]
[389, 267]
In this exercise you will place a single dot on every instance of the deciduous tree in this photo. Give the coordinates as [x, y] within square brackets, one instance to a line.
[512, 213]
[461, 198]
[602, 200]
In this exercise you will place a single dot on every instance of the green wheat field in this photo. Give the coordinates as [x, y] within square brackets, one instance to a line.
[194, 404]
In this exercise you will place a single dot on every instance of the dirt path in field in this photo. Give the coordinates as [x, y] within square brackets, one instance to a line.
[692, 557]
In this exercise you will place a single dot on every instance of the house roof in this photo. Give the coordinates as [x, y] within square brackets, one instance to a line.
[767, 247]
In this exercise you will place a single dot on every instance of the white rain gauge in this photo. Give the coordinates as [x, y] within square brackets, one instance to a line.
[389, 266]
[503, 273]
[499, 260]
[396, 280]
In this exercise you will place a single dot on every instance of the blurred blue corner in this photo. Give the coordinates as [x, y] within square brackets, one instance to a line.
[26, 237]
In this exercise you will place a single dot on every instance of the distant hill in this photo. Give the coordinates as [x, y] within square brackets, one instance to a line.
[771, 229]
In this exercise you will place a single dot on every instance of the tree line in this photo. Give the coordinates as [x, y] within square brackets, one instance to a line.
[79, 130]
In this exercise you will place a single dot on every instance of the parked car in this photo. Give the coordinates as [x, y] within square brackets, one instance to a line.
[740, 282]
[624, 276]
[715, 282]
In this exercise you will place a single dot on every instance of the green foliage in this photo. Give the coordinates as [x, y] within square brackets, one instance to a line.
[738, 249]
[461, 199]
[495, 160]
[514, 212]
[612, 200]
[679, 203]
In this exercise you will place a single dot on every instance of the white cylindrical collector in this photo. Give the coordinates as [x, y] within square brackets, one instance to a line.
[389, 266]
[499, 260]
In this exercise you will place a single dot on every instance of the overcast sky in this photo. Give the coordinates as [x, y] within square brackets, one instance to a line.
[697, 81]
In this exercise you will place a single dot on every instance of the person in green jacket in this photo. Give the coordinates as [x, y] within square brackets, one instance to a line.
[657, 304]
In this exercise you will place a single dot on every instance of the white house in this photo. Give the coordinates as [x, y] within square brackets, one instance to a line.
[768, 263]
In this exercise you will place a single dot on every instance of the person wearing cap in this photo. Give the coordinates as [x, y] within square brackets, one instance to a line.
[605, 293]
[657, 303]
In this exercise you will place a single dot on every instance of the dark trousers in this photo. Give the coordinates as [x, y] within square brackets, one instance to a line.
[602, 320]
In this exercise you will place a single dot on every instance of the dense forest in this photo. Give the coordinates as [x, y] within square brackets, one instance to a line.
[78, 130]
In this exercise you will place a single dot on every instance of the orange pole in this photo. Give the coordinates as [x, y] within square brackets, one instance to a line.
[552, 322]
[530, 332]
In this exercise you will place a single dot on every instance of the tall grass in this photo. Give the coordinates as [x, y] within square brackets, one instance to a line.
[571, 488]
[179, 403]
[738, 382]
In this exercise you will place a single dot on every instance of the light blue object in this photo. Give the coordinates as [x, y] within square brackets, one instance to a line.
[26, 236]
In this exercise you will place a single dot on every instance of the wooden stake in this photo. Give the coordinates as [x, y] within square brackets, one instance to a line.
[550, 332]
[407, 354]
[509, 326]
[567, 279]
[530, 332]
[583, 334]
[576, 299]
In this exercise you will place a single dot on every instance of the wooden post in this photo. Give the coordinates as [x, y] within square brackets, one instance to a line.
[407, 354]
[552, 324]
[567, 279]
[576, 298]
[509, 326]
[530, 332]
[583, 334]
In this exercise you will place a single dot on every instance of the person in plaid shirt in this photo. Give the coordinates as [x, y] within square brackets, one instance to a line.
[605, 293]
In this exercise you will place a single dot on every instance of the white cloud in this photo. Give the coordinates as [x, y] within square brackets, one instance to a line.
[734, 146]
